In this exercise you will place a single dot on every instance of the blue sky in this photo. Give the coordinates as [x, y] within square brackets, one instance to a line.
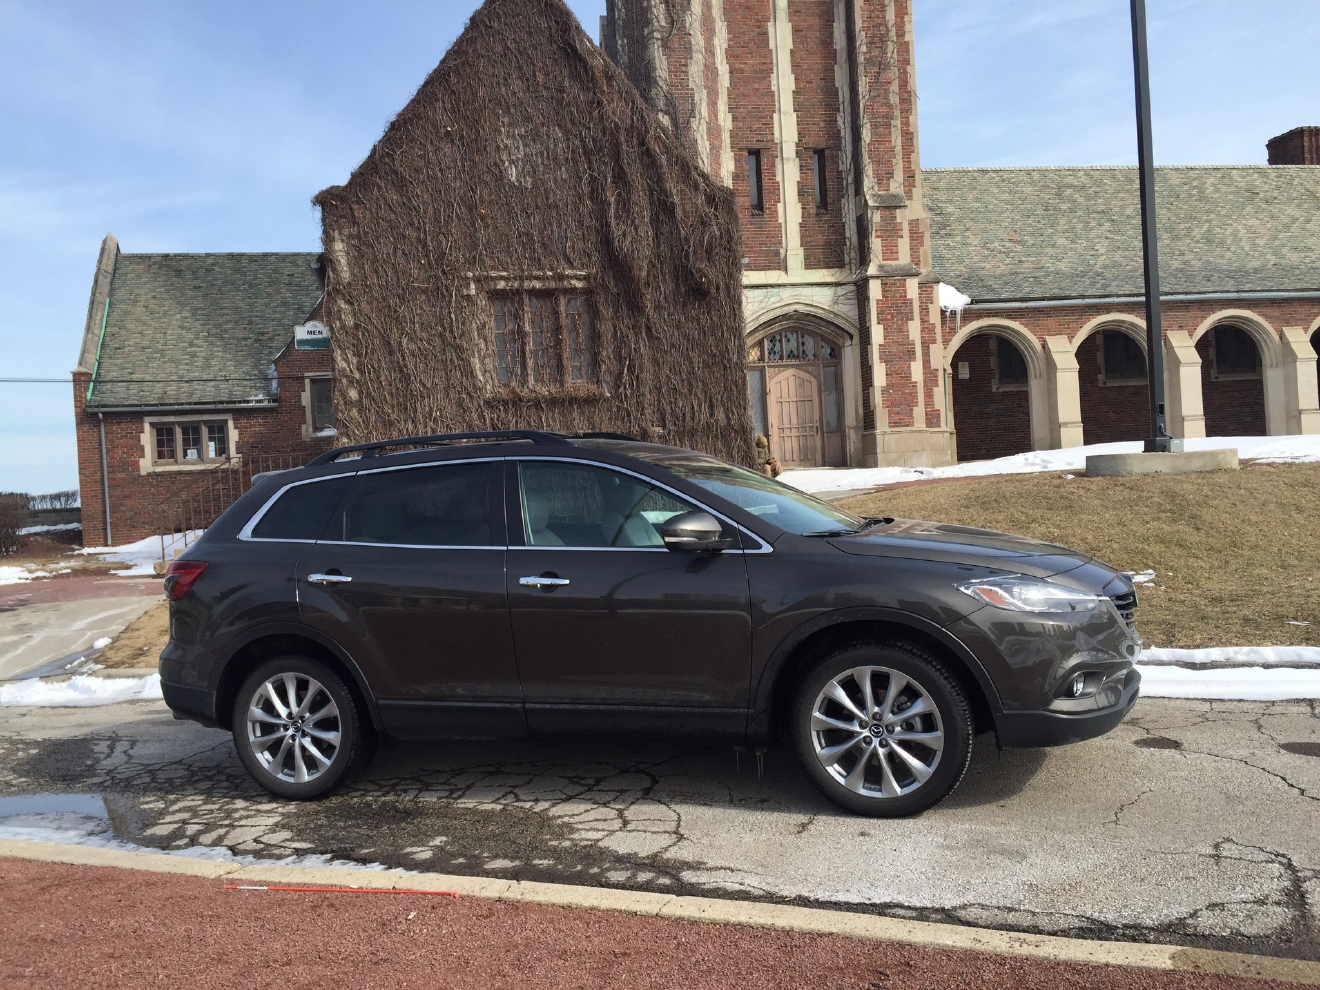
[208, 126]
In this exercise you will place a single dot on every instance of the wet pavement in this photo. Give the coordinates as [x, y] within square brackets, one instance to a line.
[1193, 822]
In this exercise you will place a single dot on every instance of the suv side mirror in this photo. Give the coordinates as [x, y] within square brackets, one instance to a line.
[699, 531]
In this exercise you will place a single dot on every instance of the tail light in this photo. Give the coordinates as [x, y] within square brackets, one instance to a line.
[181, 576]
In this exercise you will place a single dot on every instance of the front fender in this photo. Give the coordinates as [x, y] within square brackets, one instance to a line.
[759, 723]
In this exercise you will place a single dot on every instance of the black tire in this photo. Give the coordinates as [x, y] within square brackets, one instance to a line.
[950, 716]
[336, 765]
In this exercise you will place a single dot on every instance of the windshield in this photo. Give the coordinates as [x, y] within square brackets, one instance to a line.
[789, 509]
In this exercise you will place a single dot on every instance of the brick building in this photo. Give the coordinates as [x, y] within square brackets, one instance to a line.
[1051, 352]
[808, 110]
[188, 381]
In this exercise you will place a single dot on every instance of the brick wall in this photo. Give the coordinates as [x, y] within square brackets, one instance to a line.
[752, 107]
[134, 497]
[1300, 146]
[1109, 412]
[816, 102]
[989, 423]
[1233, 408]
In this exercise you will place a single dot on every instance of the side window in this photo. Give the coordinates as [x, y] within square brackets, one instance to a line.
[578, 505]
[444, 505]
[302, 511]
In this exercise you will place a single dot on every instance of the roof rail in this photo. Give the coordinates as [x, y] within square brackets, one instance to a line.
[438, 439]
[603, 436]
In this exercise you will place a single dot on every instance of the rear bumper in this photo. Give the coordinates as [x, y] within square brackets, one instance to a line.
[1031, 729]
[194, 704]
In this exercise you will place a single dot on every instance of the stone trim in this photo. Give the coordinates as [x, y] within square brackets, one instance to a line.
[147, 465]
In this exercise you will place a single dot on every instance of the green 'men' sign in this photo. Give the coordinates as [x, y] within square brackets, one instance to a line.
[313, 336]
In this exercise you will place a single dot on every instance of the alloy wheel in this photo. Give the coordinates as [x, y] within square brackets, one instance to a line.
[877, 732]
[293, 727]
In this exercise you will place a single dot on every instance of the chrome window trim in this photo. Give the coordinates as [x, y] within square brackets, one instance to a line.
[763, 547]
[245, 534]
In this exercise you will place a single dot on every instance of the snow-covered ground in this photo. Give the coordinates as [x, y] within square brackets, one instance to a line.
[1270, 450]
[29, 530]
[141, 556]
[1230, 684]
[1240, 656]
[80, 691]
[17, 574]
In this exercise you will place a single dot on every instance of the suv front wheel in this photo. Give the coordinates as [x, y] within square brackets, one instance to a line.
[298, 729]
[882, 729]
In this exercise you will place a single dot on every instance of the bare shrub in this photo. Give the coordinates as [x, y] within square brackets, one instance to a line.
[13, 517]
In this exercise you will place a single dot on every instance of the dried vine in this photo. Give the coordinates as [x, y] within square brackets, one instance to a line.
[527, 157]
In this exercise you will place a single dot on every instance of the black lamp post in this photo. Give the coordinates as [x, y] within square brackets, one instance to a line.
[1159, 439]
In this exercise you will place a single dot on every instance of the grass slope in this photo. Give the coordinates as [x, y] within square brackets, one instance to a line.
[1236, 553]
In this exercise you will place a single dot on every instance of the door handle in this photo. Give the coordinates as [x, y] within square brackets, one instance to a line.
[329, 578]
[543, 582]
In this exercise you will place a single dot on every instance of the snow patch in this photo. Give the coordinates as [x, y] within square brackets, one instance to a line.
[1267, 450]
[1142, 577]
[1233, 684]
[1242, 656]
[62, 527]
[951, 300]
[17, 575]
[101, 643]
[80, 691]
[141, 556]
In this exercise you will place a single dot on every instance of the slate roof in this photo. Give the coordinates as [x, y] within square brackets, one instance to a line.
[200, 329]
[1003, 234]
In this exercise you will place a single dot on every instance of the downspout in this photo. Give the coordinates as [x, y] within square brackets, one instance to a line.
[105, 479]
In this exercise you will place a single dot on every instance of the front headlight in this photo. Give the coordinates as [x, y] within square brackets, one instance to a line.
[1026, 594]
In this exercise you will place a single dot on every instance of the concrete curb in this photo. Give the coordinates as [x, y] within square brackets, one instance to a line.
[704, 910]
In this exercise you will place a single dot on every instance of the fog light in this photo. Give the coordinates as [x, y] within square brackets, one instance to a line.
[1078, 685]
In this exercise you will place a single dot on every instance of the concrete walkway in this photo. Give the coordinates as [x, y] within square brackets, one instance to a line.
[33, 636]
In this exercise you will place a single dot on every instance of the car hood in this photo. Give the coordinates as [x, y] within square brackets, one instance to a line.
[917, 540]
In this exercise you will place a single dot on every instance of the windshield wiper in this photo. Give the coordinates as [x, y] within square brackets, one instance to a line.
[867, 523]
[870, 522]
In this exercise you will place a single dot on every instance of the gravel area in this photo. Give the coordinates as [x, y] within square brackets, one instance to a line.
[98, 927]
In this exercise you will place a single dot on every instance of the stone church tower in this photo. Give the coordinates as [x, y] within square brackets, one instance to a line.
[808, 110]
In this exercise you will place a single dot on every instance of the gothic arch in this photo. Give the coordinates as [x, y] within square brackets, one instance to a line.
[1024, 339]
[1032, 351]
[1130, 325]
[1265, 336]
[1271, 359]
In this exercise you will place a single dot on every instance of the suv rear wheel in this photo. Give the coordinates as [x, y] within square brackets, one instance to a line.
[882, 729]
[298, 729]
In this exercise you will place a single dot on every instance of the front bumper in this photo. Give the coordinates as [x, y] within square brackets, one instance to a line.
[1044, 728]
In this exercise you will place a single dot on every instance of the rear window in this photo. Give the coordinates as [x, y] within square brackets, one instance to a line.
[302, 511]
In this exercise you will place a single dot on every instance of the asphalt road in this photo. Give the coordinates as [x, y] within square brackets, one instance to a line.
[1193, 822]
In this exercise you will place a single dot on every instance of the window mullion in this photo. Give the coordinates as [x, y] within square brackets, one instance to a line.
[561, 317]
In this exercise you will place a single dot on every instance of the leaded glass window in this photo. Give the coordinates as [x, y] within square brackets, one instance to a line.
[545, 339]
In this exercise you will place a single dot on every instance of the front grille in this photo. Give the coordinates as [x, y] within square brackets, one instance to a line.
[1126, 603]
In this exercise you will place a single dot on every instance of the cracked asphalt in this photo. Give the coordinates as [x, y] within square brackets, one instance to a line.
[1194, 822]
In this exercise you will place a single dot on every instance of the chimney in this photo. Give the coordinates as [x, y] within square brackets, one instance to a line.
[1300, 146]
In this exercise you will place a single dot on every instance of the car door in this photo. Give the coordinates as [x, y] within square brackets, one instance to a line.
[409, 578]
[612, 630]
